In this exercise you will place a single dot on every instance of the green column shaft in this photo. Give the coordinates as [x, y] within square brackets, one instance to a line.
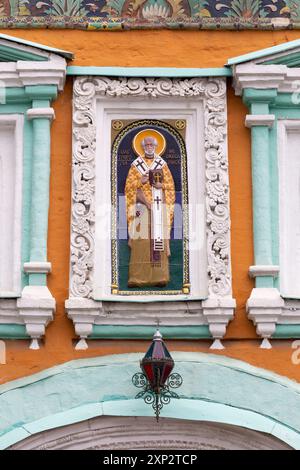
[258, 101]
[40, 193]
[262, 223]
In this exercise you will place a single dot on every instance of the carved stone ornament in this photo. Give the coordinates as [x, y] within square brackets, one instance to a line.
[213, 93]
[133, 433]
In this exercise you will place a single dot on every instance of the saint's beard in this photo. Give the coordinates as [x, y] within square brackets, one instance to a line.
[147, 155]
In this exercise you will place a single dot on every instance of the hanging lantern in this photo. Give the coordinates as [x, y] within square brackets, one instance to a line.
[156, 379]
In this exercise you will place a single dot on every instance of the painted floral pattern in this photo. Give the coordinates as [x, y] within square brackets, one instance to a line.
[155, 11]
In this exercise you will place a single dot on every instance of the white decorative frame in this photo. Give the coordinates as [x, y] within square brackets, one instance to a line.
[285, 126]
[13, 122]
[217, 309]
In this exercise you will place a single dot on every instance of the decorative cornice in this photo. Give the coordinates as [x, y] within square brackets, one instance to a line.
[265, 77]
[30, 73]
[259, 120]
[212, 91]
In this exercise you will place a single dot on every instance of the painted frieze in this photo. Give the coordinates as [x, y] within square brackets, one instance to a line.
[127, 14]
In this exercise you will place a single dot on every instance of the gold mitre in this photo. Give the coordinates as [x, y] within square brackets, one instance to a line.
[137, 141]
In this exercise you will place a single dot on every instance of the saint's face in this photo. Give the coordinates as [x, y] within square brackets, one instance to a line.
[149, 148]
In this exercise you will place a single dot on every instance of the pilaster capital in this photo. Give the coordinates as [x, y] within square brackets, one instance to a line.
[259, 95]
[38, 267]
[266, 120]
[264, 270]
[41, 113]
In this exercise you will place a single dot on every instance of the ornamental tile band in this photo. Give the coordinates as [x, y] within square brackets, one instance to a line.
[154, 14]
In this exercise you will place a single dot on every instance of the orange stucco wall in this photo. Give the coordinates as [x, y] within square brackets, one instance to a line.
[150, 48]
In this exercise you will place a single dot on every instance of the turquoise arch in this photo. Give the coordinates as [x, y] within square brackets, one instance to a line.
[215, 388]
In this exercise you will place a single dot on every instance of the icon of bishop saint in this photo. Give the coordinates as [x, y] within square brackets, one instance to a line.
[150, 199]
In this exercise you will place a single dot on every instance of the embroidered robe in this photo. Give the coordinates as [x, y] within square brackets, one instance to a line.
[149, 258]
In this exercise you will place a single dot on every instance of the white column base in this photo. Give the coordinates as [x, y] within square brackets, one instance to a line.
[36, 307]
[264, 307]
[218, 313]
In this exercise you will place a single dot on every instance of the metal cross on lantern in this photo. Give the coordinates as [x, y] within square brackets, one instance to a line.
[156, 379]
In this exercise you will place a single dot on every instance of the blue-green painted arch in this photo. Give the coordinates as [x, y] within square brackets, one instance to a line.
[215, 388]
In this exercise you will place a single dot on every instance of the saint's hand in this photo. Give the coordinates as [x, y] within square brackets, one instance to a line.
[145, 178]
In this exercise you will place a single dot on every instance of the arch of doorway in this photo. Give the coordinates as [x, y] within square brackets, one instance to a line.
[216, 389]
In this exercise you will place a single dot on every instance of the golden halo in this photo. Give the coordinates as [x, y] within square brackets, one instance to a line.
[137, 141]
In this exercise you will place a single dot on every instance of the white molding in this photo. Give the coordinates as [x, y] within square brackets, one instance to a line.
[263, 270]
[264, 307]
[35, 113]
[250, 75]
[37, 267]
[289, 173]
[26, 72]
[259, 120]
[36, 308]
[109, 109]
[264, 77]
[23, 73]
[216, 313]
[14, 123]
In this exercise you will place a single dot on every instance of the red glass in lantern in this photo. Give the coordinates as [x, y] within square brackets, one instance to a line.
[157, 363]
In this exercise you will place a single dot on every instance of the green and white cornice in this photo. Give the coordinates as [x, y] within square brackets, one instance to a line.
[24, 63]
[272, 68]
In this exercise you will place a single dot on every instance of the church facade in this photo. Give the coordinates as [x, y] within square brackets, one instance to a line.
[149, 178]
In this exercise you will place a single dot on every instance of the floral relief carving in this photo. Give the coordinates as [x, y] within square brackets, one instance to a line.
[213, 93]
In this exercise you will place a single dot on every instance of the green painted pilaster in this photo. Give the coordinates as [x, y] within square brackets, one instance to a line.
[40, 189]
[259, 102]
